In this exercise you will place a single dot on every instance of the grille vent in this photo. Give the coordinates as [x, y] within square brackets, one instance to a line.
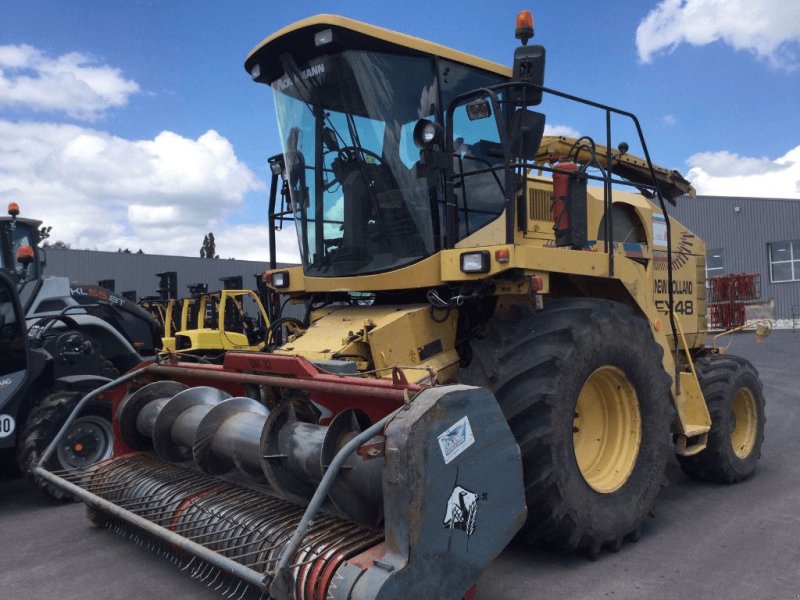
[539, 205]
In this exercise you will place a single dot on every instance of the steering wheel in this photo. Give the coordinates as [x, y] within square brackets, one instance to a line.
[348, 153]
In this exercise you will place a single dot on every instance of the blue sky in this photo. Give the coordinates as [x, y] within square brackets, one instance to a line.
[133, 124]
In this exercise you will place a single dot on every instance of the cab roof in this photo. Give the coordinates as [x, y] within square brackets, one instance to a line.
[298, 38]
[22, 220]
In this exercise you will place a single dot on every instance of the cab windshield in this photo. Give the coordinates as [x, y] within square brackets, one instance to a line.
[360, 200]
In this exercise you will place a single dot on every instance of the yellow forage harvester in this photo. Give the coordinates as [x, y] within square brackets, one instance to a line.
[502, 333]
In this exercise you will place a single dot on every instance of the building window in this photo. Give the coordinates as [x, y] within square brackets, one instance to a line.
[784, 261]
[715, 264]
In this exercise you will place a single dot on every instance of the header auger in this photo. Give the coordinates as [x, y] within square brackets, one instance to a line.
[500, 336]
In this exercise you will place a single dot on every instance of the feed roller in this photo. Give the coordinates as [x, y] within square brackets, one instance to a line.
[223, 434]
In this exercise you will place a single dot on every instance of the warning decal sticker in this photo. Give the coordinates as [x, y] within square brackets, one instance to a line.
[456, 439]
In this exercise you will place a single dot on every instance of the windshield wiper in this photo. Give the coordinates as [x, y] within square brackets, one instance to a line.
[310, 98]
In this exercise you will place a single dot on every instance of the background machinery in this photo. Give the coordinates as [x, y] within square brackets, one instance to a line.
[533, 348]
[223, 323]
[208, 324]
[81, 336]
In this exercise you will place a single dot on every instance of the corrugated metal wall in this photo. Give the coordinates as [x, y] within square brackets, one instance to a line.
[138, 271]
[743, 228]
[742, 234]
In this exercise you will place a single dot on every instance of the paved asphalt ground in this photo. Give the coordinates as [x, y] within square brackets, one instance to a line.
[706, 542]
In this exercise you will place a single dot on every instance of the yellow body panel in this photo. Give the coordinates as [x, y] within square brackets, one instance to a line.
[381, 337]
[213, 339]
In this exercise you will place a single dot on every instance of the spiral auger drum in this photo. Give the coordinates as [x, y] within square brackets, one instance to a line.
[413, 493]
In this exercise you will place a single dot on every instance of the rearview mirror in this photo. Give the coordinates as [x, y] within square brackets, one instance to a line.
[528, 68]
[525, 133]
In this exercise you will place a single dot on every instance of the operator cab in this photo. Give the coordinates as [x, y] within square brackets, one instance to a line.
[20, 256]
[348, 102]
[395, 149]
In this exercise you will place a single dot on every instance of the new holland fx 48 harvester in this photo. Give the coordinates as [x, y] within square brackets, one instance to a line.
[532, 350]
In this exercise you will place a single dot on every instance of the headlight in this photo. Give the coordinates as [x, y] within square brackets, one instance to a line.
[279, 279]
[427, 133]
[475, 262]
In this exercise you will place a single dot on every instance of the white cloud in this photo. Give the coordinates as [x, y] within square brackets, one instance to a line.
[74, 84]
[728, 174]
[564, 130]
[103, 192]
[250, 242]
[770, 29]
[669, 120]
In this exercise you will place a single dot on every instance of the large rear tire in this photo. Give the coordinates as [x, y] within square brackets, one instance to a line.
[582, 386]
[88, 440]
[735, 399]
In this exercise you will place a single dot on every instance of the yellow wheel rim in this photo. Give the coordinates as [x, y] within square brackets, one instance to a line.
[607, 429]
[743, 434]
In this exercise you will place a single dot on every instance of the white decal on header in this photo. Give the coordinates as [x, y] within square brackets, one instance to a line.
[456, 439]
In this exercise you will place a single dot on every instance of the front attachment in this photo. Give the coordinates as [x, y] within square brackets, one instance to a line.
[220, 482]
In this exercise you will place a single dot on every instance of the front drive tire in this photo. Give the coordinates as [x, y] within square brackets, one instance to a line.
[582, 386]
[735, 399]
[89, 439]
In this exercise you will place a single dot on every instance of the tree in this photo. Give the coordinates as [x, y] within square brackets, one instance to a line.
[209, 247]
[58, 245]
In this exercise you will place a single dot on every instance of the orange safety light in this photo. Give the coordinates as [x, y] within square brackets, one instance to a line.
[524, 26]
[25, 255]
[13, 209]
[503, 255]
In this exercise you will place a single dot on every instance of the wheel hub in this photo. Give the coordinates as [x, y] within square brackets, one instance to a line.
[89, 440]
[744, 421]
[607, 429]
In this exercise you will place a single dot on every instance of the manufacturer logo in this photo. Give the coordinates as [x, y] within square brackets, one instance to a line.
[462, 510]
[5, 382]
[456, 439]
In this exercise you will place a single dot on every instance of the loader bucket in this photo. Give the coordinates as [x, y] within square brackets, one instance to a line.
[274, 479]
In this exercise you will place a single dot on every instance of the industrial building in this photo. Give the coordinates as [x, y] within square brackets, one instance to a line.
[138, 276]
[750, 235]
